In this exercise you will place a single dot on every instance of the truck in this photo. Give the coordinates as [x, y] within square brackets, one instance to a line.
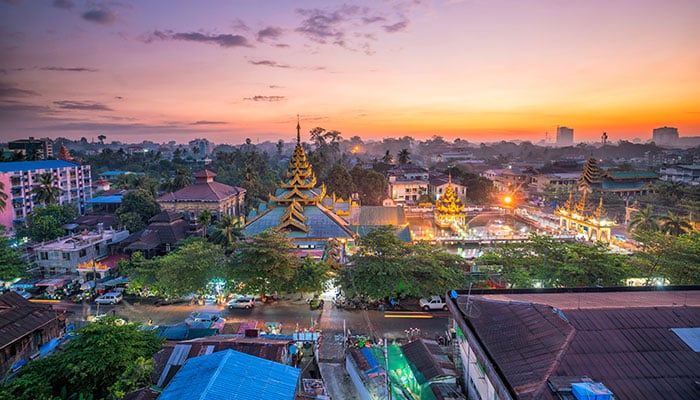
[432, 303]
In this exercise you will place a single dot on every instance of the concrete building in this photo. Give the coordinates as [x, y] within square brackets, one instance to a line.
[205, 194]
[688, 174]
[565, 136]
[19, 178]
[554, 181]
[665, 136]
[33, 149]
[203, 147]
[64, 256]
[407, 183]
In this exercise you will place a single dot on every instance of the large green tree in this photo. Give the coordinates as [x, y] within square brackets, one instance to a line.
[339, 181]
[384, 266]
[555, 264]
[140, 203]
[659, 255]
[11, 263]
[190, 267]
[369, 184]
[45, 223]
[103, 361]
[265, 263]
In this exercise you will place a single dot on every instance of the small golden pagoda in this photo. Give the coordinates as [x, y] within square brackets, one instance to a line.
[449, 210]
[577, 217]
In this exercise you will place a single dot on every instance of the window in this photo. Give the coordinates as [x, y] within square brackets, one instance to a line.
[66, 256]
[82, 253]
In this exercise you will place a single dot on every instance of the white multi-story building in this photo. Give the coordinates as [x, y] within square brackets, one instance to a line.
[407, 183]
[688, 174]
[62, 256]
[19, 178]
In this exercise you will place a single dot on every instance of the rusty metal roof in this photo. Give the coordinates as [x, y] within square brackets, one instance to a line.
[630, 349]
[19, 317]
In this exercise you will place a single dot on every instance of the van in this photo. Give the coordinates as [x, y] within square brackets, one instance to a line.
[109, 298]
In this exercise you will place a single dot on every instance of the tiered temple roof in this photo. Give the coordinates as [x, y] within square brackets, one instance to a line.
[297, 207]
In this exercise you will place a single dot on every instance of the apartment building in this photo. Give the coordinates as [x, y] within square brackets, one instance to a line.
[19, 178]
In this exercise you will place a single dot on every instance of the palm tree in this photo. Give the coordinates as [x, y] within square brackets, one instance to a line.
[404, 156]
[227, 232]
[181, 179]
[673, 224]
[644, 220]
[204, 219]
[3, 197]
[46, 192]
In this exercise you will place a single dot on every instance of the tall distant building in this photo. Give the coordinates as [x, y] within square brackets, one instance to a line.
[34, 149]
[665, 136]
[203, 146]
[565, 136]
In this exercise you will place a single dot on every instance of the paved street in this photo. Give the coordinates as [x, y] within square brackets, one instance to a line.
[293, 313]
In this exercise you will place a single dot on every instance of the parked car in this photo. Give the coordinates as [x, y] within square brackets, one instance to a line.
[199, 320]
[432, 303]
[110, 298]
[246, 302]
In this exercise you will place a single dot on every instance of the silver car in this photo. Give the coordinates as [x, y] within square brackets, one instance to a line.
[246, 302]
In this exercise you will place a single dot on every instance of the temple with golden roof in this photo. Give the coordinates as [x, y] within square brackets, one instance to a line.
[449, 210]
[297, 208]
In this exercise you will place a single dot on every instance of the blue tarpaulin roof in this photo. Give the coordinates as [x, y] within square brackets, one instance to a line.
[232, 375]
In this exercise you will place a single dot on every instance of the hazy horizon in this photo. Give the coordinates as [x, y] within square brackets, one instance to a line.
[481, 71]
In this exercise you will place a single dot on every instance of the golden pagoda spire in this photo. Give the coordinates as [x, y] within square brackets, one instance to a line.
[299, 181]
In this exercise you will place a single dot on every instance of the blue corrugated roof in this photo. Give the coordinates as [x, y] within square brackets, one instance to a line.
[113, 199]
[232, 375]
[33, 165]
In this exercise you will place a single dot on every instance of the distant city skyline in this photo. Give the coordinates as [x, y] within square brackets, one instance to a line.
[477, 70]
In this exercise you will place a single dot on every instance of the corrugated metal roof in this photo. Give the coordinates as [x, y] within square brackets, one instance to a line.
[633, 351]
[19, 317]
[323, 224]
[231, 375]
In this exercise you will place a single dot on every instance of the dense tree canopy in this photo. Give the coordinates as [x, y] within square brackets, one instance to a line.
[137, 207]
[384, 266]
[265, 263]
[46, 223]
[11, 263]
[369, 184]
[103, 361]
[660, 255]
[553, 264]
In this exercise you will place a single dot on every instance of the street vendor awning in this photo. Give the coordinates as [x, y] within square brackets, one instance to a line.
[55, 282]
[25, 283]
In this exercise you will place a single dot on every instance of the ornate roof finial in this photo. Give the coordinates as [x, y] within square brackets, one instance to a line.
[298, 131]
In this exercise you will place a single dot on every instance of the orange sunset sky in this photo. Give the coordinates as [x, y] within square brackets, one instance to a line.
[479, 70]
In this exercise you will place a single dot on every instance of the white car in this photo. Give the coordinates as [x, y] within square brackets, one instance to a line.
[199, 320]
[432, 303]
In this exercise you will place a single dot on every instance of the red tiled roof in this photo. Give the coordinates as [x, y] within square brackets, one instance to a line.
[202, 191]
